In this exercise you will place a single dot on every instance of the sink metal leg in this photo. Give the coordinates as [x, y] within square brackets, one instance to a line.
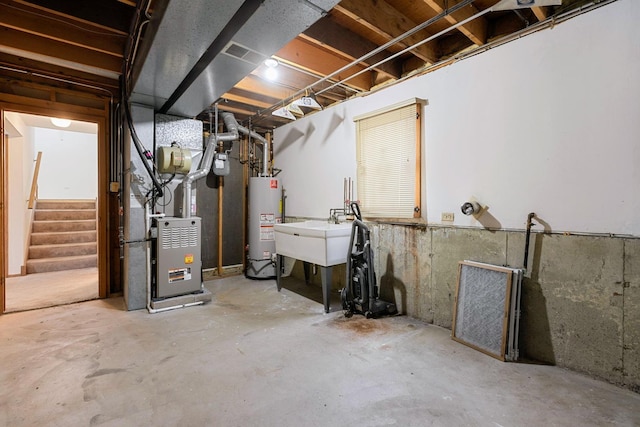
[306, 266]
[279, 267]
[325, 275]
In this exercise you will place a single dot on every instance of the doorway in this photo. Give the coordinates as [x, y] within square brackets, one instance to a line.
[51, 211]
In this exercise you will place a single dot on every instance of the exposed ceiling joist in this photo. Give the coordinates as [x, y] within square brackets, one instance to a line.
[388, 22]
[71, 42]
[335, 38]
[312, 58]
[475, 30]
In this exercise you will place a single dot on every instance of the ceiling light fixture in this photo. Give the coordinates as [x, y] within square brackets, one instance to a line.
[283, 112]
[295, 110]
[61, 123]
[271, 73]
[309, 102]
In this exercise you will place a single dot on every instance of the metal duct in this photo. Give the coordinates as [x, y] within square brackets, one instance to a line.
[207, 160]
[265, 146]
[181, 61]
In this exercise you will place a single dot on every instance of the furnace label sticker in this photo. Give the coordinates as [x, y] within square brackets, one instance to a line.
[179, 274]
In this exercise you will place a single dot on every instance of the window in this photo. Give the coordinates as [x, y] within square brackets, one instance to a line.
[388, 145]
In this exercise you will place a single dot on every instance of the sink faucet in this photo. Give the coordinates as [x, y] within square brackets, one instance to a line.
[333, 216]
[335, 213]
[345, 210]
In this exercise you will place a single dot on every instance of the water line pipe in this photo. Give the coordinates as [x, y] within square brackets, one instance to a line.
[265, 147]
[528, 238]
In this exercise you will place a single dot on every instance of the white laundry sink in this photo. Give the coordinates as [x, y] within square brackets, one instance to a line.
[318, 242]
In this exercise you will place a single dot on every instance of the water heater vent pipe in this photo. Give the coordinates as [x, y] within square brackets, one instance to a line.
[207, 160]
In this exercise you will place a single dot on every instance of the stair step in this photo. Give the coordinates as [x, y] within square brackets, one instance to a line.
[66, 204]
[59, 237]
[63, 250]
[44, 265]
[63, 214]
[53, 226]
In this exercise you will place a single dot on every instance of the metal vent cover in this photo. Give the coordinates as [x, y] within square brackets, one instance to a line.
[244, 53]
[180, 237]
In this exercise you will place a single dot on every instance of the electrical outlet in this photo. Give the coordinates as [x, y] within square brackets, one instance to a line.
[447, 216]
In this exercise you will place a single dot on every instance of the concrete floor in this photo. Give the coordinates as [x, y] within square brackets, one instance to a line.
[50, 289]
[256, 357]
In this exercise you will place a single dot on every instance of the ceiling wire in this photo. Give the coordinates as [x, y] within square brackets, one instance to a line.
[562, 16]
[368, 55]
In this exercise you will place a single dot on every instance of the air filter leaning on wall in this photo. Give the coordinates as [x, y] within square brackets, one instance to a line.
[486, 313]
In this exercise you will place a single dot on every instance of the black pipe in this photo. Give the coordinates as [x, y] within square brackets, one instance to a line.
[136, 141]
[527, 238]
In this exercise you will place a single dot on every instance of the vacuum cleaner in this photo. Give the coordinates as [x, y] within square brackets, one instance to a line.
[360, 295]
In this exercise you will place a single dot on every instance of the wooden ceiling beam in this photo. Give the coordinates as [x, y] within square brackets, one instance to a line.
[340, 40]
[246, 100]
[54, 49]
[385, 20]
[314, 59]
[293, 79]
[61, 31]
[110, 16]
[254, 84]
[32, 70]
[540, 12]
[234, 109]
[475, 30]
[289, 82]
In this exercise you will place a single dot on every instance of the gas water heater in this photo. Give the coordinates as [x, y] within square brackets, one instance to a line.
[265, 210]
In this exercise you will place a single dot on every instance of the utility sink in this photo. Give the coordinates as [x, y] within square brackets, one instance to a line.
[318, 242]
[313, 242]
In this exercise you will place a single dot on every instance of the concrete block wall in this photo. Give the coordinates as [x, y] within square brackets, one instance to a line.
[580, 305]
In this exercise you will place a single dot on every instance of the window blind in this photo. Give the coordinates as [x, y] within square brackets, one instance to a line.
[388, 162]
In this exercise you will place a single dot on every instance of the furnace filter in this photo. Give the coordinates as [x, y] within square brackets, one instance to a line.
[265, 210]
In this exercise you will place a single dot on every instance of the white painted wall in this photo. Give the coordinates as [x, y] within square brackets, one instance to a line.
[69, 166]
[20, 169]
[546, 124]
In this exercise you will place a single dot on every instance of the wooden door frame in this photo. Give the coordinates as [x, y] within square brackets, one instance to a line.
[101, 118]
[3, 217]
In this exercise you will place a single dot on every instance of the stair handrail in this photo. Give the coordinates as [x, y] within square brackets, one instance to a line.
[33, 196]
[34, 182]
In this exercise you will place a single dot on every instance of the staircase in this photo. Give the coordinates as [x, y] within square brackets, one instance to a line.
[63, 236]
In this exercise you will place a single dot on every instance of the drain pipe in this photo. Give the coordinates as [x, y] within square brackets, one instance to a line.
[528, 238]
[207, 160]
